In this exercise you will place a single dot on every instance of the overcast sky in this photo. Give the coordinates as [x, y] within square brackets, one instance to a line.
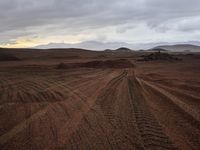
[28, 23]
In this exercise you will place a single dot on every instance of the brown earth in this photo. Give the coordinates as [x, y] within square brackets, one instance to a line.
[151, 106]
[118, 63]
[159, 56]
[8, 57]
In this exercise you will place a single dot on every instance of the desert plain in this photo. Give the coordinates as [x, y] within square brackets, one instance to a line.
[79, 99]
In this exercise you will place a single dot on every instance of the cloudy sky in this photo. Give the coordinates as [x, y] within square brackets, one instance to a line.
[28, 23]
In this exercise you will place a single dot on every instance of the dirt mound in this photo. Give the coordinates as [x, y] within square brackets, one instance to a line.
[123, 49]
[7, 57]
[120, 63]
[102, 56]
[159, 56]
[65, 66]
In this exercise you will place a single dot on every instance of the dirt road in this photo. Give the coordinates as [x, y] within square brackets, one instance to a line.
[92, 109]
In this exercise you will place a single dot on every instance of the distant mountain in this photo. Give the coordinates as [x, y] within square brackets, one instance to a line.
[123, 49]
[95, 45]
[180, 48]
[157, 49]
[91, 45]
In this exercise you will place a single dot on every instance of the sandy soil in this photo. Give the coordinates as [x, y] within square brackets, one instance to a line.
[152, 106]
[172, 92]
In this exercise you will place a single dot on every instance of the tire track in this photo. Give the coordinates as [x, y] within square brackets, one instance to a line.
[41, 89]
[150, 130]
[178, 125]
[18, 128]
[190, 114]
[105, 110]
[107, 125]
[21, 126]
[85, 105]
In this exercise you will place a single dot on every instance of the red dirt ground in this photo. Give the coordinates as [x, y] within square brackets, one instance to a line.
[151, 106]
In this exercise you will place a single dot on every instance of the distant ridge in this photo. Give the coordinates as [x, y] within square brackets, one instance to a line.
[157, 49]
[90, 45]
[96, 45]
[180, 48]
[118, 46]
[123, 49]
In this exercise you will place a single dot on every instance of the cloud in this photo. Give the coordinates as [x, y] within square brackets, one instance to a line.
[48, 18]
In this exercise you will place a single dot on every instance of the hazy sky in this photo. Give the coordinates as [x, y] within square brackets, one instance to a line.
[27, 23]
